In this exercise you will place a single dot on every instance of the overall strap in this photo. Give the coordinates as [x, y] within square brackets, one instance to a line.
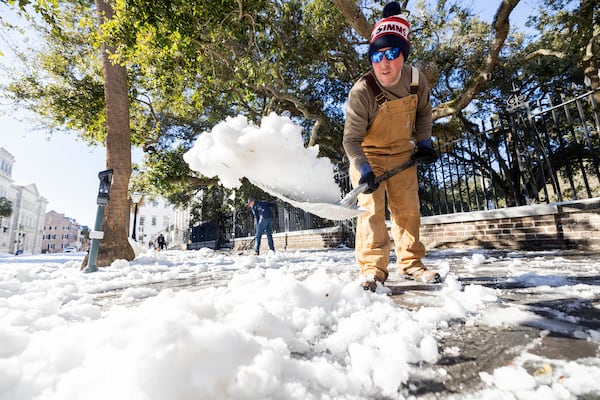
[414, 80]
[377, 92]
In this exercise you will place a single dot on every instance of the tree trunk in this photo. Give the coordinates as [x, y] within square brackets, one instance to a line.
[590, 57]
[115, 244]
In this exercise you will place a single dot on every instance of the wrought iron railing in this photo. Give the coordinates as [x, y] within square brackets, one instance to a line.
[529, 156]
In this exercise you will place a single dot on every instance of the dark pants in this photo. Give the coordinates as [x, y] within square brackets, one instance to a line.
[265, 225]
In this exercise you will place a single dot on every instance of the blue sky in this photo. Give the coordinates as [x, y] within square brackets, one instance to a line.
[65, 170]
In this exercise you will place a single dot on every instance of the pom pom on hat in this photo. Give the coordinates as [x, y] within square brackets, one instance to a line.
[391, 31]
[392, 8]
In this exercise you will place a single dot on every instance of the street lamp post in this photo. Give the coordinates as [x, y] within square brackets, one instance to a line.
[136, 198]
[232, 207]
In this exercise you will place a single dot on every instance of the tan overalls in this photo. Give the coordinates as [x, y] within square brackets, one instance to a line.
[387, 144]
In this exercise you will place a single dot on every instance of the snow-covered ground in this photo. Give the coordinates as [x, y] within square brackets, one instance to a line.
[291, 325]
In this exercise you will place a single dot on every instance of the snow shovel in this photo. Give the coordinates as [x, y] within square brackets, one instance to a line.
[345, 208]
[349, 199]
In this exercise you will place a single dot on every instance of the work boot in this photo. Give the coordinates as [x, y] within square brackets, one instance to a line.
[369, 282]
[422, 274]
[372, 286]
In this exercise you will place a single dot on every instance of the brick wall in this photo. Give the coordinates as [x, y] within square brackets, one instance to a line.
[568, 225]
[580, 224]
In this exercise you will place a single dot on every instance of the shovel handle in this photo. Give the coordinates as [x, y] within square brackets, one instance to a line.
[350, 199]
[396, 170]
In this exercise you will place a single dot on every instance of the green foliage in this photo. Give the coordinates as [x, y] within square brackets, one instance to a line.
[456, 41]
[63, 84]
[169, 177]
[19, 3]
[6, 208]
[193, 68]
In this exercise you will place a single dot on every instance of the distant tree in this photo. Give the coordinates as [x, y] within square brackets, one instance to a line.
[20, 3]
[76, 84]
[118, 148]
[567, 53]
[6, 209]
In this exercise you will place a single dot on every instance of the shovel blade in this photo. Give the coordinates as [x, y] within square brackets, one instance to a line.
[350, 199]
[345, 208]
[332, 211]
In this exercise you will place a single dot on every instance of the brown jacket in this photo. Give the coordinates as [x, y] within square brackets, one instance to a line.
[362, 110]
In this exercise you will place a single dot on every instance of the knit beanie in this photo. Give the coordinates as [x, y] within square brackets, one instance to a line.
[391, 31]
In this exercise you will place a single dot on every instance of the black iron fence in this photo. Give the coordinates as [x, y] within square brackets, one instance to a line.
[541, 153]
[527, 156]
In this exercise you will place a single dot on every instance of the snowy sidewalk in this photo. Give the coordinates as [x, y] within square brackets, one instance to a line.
[296, 325]
[546, 315]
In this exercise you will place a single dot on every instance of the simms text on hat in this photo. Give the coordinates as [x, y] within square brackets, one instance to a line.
[395, 25]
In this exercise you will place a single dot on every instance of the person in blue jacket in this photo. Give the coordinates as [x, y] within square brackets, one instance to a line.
[264, 216]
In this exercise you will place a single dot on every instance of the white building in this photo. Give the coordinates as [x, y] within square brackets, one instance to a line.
[155, 215]
[7, 191]
[21, 233]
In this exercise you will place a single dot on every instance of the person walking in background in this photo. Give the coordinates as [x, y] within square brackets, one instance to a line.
[389, 109]
[160, 242]
[264, 216]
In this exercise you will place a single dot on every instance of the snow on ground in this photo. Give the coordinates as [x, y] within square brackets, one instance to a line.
[291, 325]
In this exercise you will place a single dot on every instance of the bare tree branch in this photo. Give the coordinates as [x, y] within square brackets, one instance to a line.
[354, 16]
[590, 57]
[502, 27]
[545, 53]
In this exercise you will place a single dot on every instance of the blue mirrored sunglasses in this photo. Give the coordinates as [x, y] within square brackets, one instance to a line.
[390, 54]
